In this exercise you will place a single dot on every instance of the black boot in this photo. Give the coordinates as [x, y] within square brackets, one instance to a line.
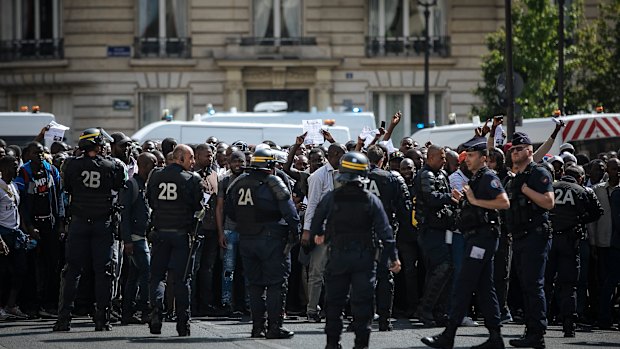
[385, 324]
[445, 340]
[531, 339]
[277, 331]
[333, 343]
[155, 324]
[495, 341]
[102, 320]
[183, 328]
[569, 327]
[362, 341]
[62, 324]
[258, 329]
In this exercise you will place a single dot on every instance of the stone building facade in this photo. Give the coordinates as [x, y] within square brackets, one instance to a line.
[119, 63]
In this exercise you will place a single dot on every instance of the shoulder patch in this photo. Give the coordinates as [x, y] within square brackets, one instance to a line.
[544, 179]
[495, 183]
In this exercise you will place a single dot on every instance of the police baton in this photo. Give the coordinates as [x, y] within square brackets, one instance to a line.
[194, 240]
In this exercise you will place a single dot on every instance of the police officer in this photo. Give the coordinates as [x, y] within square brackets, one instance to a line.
[573, 209]
[394, 195]
[434, 211]
[262, 206]
[175, 194]
[352, 253]
[479, 223]
[531, 197]
[93, 182]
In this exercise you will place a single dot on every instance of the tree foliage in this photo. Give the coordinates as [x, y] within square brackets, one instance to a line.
[535, 58]
[598, 54]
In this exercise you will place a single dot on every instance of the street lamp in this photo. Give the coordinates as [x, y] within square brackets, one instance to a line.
[561, 56]
[510, 117]
[427, 12]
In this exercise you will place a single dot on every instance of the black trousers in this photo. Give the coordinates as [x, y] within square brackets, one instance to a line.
[562, 275]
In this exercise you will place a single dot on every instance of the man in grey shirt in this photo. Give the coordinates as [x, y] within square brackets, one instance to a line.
[319, 183]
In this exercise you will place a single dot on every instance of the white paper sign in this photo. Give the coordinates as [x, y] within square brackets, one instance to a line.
[477, 252]
[313, 130]
[56, 133]
[499, 135]
[368, 135]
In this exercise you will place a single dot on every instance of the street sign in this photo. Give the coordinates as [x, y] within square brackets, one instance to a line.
[121, 104]
[119, 51]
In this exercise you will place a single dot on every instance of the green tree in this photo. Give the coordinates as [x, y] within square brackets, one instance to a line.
[535, 58]
[596, 79]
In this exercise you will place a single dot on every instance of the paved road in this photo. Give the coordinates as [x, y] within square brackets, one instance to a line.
[235, 334]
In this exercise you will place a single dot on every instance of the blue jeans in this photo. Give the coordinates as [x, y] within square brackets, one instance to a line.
[229, 264]
[139, 275]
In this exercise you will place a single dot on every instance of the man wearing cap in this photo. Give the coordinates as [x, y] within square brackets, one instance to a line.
[558, 166]
[531, 197]
[573, 210]
[352, 254]
[479, 223]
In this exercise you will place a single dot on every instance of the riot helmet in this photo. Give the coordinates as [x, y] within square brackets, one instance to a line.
[92, 137]
[263, 159]
[353, 168]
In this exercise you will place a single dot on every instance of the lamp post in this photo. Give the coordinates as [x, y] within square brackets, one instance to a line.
[427, 12]
[509, 78]
[561, 57]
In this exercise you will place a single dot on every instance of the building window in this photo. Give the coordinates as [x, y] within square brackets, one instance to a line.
[30, 29]
[162, 29]
[277, 22]
[396, 27]
[386, 104]
[153, 106]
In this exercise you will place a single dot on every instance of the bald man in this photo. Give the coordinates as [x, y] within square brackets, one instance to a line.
[175, 194]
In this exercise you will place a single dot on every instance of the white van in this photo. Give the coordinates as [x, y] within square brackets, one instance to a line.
[193, 132]
[22, 127]
[354, 121]
[589, 133]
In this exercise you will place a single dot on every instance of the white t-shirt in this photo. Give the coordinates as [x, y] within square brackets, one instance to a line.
[9, 204]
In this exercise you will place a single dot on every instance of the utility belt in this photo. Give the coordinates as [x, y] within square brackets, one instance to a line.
[492, 231]
[89, 220]
[575, 232]
[543, 229]
[472, 217]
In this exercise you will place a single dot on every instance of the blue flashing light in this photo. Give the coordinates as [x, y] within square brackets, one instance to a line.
[357, 110]
[419, 126]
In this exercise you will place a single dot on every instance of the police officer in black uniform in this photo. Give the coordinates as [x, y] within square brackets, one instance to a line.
[93, 183]
[434, 211]
[531, 197]
[262, 206]
[175, 194]
[479, 223]
[574, 208]
[356, 224]
[392, 190]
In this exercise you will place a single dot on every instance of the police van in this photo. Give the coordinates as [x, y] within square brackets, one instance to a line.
[590, 134]
[22, 127]
[271, 113]
[194, 132]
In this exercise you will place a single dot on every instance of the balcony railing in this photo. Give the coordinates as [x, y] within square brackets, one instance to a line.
[22, 49]
[163, 47]
[407, 46]
[265, 41]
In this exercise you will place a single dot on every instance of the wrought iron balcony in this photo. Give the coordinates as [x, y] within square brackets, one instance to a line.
[21, 49]
[163, 47]
[265, 41]
[407, 46]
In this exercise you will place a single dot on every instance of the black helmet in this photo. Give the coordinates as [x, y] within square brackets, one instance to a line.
[93, 136]
[263, 158]
[353, 167]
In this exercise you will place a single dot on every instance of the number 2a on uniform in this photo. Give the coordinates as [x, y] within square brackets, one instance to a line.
[245, 197]
[168, 191]
[564, 197]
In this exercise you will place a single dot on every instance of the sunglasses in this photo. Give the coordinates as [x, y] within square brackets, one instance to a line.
[518, 148]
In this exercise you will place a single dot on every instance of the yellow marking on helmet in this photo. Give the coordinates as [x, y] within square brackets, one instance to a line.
[90, 135]
[354, 166]
[262, 158]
